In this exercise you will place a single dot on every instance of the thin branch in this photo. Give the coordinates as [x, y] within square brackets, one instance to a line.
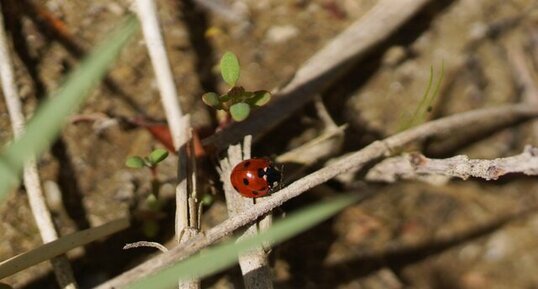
[161, 66]
[179, 127]
[62, 269]
[321, 147]
[355, 161]
[254, 263]
[182, 221]
[323, 113]
[323, 68]
[417, 166]
[60, 246]
[146, 244]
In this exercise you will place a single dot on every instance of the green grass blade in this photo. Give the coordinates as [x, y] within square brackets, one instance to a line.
[47, 122]
[435, 93]
[222, 256]
[413, 119]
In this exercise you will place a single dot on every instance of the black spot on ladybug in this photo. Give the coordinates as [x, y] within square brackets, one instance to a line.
[255, 193]
[263, 188]
[245, 181]
[261, 173]
[246, 164]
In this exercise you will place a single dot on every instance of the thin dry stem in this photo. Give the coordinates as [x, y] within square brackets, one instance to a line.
[182, 221]
[161, 66]
[376, 150]
[62, 269]
[323, 113]
[324, 145]
[179, 125]
[417, 166]
[146, 244]
[323, 68]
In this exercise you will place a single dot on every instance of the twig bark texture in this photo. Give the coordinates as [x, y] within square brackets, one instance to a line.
[417, 166]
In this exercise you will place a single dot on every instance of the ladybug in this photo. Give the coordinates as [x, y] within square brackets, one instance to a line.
[255, 177]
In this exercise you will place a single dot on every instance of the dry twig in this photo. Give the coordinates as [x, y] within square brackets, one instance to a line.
[161, 66]
[186, 208]
[417, 166]
[146, 244]
[62, 269]
[355, 161]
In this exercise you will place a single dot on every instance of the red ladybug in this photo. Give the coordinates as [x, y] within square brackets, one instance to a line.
[255, 178]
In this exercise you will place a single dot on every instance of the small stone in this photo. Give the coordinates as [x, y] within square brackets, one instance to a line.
[279, 34]
[394, 56]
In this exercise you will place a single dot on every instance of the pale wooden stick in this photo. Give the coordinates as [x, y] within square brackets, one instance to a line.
[62, 269]
[323, 68]
[376, 150]
[179, 125]
[417, 166]
[254, 264]
[161, 66]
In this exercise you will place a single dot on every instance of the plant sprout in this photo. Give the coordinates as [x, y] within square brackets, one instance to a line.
[237, 101]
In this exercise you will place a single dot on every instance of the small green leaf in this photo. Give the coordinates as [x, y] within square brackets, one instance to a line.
[261, 97]
[157, 156]
[240, 111]
[229, 68]
[135, 162]
[211, 99]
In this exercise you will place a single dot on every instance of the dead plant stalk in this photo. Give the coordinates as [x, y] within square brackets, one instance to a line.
[178, 123]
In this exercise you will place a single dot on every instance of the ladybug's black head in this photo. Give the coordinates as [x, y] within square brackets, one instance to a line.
[274, 176]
